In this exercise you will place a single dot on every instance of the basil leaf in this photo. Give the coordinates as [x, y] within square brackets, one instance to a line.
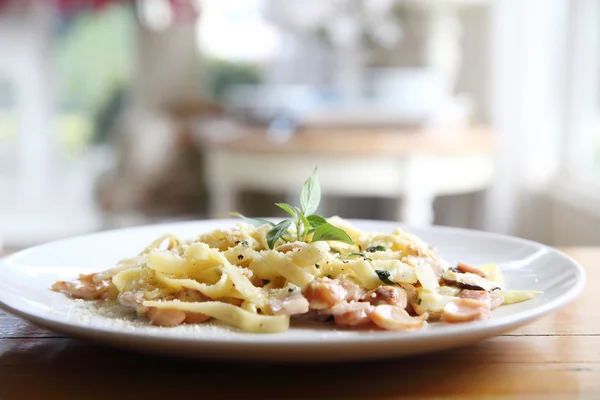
[277, 232]
[305, 222]
[252, 221]
[287, 208]
[316, 220]
[373, 249]
[384, 276]
[330, 232]
[310, 195]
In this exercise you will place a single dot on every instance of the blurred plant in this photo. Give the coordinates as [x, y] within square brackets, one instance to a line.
[94, 62]
[93, 55]
[221, 74]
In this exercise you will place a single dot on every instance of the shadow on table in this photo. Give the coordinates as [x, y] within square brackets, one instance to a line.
[60, 368]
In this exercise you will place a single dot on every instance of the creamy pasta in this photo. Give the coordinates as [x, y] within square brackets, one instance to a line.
[380, 281]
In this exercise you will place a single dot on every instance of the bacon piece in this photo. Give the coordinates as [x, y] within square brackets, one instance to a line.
[393, 296]
[289, 305]
[352, 314]
[395, 318]
[464, 268]
[323, 293]
[166, 317]
[465, 310]
[85, 288]
[492, 300]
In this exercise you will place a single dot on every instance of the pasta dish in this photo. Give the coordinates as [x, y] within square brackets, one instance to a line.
[259, 276]
[391, 281]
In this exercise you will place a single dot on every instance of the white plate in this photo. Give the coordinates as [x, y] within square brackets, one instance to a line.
[26, 276]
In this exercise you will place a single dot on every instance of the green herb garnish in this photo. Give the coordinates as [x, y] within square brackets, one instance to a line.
[373, 249]
[303, 218]
[252, 221]
[419, 301]
[277, 232]
[384, 276]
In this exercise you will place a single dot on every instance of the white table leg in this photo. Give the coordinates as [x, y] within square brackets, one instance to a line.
[222, 200]
[416, 208]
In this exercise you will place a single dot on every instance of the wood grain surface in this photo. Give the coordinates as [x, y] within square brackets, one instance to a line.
[557, 357]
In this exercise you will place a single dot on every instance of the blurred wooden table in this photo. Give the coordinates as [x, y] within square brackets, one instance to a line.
[411, 165]
[557, 357]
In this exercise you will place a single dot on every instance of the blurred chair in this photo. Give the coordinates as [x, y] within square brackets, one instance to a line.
[157, 170]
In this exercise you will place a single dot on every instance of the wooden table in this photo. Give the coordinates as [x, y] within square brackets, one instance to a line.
[413, 166]
[555, 357]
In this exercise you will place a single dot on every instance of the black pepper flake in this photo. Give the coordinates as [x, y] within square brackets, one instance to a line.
[345, 261]
[237, 242]
[373, 249]
[240, 257]
[329, 276]
[419, 301]
[290, 290]
[266, 281]
[317, 265]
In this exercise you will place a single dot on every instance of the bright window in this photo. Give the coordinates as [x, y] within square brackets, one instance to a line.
[583, 91]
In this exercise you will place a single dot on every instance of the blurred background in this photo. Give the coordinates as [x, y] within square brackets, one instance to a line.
[470, 113]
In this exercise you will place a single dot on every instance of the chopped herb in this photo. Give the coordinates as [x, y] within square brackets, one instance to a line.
[384, 276]
[317, 265]
[363, 255]
[245, 243]
[266, 281]
[359, 247]
[240, 257]
[373, 249]
[419, 301]
[357, 254]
